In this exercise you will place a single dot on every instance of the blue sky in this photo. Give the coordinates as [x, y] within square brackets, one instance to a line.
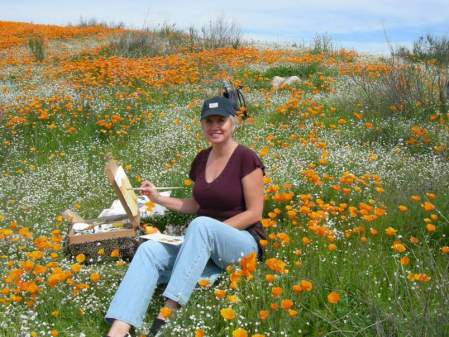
[362, 25]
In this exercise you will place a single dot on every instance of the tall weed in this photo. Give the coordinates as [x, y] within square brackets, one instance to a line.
[220, 33]
[322, 44]
[37, 44]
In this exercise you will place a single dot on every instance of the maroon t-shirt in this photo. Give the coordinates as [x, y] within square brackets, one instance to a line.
[223, 197]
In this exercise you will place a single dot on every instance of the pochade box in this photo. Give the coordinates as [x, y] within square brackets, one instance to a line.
[115, 231]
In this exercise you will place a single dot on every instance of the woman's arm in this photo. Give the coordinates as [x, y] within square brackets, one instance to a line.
[188, 205]
[253, 194]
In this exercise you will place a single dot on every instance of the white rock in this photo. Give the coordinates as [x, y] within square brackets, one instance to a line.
[278, 81]
[290, 80]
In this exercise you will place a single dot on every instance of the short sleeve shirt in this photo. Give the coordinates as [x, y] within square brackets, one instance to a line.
[223, 197]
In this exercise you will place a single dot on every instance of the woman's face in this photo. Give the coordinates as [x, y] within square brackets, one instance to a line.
[217, 129]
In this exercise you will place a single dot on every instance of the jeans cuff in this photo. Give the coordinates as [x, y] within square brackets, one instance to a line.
[110, 318]
[180, 300]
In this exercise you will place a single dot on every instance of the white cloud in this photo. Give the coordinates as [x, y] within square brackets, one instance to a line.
[321, 15]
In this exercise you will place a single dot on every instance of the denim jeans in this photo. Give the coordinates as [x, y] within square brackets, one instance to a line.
[209, 246]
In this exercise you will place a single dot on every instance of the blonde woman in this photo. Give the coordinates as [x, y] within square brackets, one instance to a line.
[228, 201]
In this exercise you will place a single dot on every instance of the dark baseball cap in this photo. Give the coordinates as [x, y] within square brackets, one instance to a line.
[217, 106]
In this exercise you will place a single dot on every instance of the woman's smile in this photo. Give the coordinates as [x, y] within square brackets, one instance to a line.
[217, 128]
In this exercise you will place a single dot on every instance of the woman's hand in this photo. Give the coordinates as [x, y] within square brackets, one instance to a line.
[150, 191]
[189, 205]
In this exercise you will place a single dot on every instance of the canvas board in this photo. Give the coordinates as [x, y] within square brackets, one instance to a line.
[123, 189]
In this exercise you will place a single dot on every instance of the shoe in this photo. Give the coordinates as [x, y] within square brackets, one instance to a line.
[156, 327]
[128, 334]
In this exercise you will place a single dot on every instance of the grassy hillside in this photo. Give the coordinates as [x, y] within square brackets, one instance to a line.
[356, 187]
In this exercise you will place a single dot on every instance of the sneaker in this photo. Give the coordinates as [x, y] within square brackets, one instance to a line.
[156, 327]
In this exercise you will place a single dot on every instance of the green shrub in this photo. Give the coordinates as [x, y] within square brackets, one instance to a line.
[37, 47]
[301, 70]
[431, 53]
[135, 44]
[147, 43]
[404, 88]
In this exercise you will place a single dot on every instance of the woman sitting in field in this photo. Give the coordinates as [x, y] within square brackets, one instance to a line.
[228, 199]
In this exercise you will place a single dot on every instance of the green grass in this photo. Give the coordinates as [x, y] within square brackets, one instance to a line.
[303, 71]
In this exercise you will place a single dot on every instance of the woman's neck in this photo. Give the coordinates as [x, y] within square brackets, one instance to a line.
[224, 149]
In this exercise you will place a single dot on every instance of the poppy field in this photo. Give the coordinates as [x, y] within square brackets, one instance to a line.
[356, 186]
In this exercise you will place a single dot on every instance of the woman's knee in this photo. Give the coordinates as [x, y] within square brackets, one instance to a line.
[201, 224]
[149, 248]
[152, 253]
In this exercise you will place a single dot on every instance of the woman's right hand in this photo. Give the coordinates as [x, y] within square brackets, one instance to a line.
[148, 189]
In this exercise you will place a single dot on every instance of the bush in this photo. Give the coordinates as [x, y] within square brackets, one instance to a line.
[396, 87]
[220, 33]
[432, 54]
[411, 81]
[322, 44]
[37, 47]
[428, 49]
[146, 43]
[301, 70]
[168, 40]
[92, 22]
[217, 34]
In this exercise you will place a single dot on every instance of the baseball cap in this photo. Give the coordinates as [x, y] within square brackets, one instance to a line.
[217, 105]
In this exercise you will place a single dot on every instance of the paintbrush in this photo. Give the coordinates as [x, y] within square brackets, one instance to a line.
[158, 188]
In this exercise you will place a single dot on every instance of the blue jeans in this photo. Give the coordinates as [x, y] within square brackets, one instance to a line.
[209, 246]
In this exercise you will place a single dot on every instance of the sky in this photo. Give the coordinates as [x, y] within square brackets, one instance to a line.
[369, 26]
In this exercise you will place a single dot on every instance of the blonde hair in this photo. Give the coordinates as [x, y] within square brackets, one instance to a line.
[235, 122]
